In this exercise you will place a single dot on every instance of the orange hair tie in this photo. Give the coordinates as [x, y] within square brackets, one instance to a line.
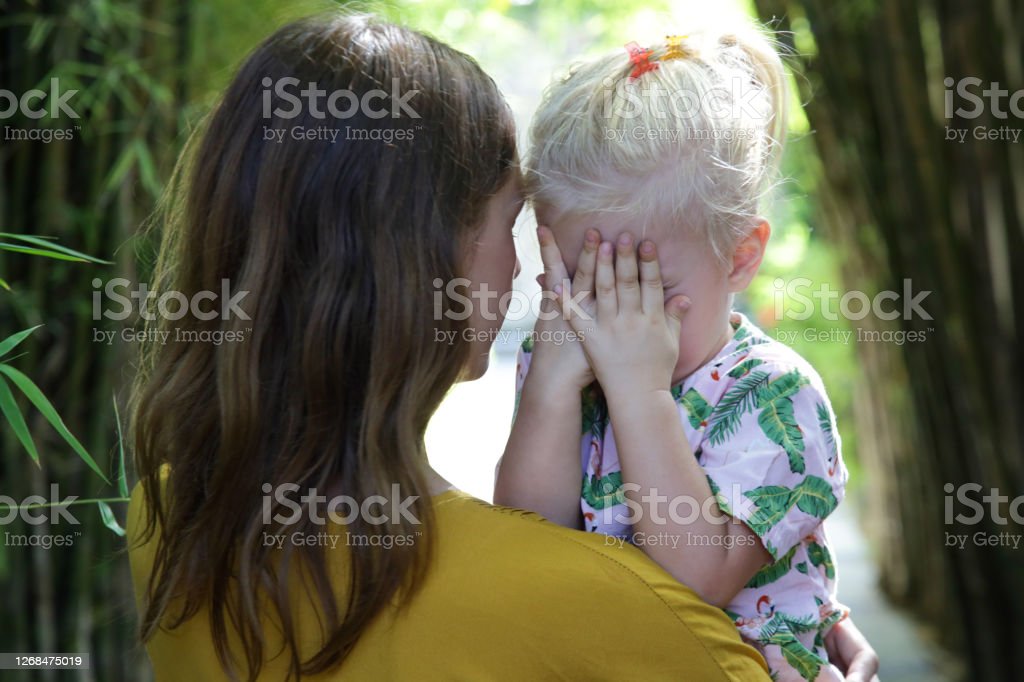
[641, 60]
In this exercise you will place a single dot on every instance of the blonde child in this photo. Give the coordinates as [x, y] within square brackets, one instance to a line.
[701, 440]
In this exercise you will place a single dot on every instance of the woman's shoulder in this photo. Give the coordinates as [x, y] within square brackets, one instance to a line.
[508, 590]
[570, 587]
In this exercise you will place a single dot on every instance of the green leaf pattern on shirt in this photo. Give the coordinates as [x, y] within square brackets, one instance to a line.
[605, 491]
[813, 495]
[773, 571]
[754, 391]
[737, 401]
[822, 558]
[697, 409]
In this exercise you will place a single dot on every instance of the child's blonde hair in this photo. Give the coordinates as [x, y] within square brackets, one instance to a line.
[612, 137]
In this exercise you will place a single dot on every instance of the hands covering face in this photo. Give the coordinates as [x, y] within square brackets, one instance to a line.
[616, 304]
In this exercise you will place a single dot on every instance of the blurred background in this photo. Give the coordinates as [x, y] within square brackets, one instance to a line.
[889, 188]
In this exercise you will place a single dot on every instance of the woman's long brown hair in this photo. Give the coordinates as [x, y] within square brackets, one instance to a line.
[331, 381]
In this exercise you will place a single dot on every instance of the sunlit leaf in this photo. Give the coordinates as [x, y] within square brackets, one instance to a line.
[109, 520]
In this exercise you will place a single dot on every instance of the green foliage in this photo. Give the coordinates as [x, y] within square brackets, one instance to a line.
[45, 247]
[36, 397]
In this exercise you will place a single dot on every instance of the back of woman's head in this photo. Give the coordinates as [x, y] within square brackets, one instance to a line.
[344, 169]
[683, 134]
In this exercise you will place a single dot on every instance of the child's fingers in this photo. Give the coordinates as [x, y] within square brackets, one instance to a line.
[651, 290]
[604, 283]
[563, 294]
[627, 282]
[554, 268]
[584, 278]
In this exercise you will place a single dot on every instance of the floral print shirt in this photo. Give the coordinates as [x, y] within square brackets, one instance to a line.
[761, 426]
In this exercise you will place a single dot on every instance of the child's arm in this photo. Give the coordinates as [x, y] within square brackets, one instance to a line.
[540, 469]
[633, 349]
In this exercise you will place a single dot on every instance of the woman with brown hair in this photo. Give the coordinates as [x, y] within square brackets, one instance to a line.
[287, 523]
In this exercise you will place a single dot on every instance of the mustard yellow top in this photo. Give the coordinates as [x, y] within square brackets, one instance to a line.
[510, 596]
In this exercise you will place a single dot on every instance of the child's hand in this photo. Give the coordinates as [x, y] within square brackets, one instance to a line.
[556, 356]
[633, 343]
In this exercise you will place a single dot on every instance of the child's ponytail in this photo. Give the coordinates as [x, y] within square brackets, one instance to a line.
[686, 133]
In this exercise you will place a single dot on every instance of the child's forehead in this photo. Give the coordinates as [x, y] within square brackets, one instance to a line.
[569, 231]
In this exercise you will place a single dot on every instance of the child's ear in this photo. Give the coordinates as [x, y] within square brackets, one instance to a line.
[747, 256]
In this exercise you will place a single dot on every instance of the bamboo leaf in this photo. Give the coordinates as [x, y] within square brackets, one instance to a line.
[122, 480]
[147, 169]
[48, 244]
[8, 344]
[109, 520]
[40, 252]
[41, 28]
[120, 169]
[37, 398]
[16, 420]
